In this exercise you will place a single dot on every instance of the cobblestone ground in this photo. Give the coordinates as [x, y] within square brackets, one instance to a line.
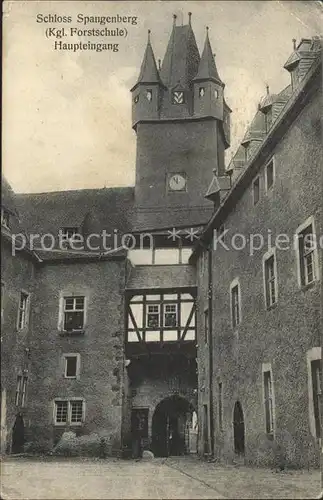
[187, 477]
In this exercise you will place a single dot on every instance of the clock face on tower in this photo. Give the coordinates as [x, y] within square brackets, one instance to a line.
[177, 182]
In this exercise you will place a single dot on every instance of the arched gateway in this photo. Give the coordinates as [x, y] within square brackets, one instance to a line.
[170, 427]
[238, 429]
[18, 435]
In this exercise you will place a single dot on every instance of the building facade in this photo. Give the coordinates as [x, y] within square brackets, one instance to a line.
[184, 328]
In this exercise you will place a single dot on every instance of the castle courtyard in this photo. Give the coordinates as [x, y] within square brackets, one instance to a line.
[177, 477]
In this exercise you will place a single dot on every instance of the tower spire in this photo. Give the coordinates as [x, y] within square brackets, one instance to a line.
[207, 69]
[149, 71]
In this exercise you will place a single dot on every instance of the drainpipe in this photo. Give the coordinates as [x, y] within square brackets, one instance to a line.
[210, 339]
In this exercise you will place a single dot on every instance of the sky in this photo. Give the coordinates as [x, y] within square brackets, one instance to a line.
[67, 115]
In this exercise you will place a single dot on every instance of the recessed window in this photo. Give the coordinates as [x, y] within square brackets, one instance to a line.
[74, 308]
[136, 99]
[220, 406]
[270, 175]
[5, 218]
[268, 403]
[307, 255]
[235, 303]
[256, 190]
[69, 411]
[149, 95]
[170, 315]
[316, 394]
[178, 97]
[201, 91]
[71, 365]
[153, 315]
[23, 310]
[270, 276]
[216, 93]
[206, 326]
[18, 390]
[21, 390]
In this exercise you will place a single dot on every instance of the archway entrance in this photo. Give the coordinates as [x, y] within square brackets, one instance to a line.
[238, 429]
[18, 435]
[170, 427]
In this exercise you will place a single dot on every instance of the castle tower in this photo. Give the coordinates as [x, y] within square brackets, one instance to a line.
[182, 126]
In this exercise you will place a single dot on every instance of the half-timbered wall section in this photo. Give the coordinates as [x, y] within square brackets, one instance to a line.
[161, 317]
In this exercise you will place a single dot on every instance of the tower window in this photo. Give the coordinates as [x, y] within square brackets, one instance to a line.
[23, 310]
[178, 97]
[268, 403]
[149, 95]
[216, 93]
[270, 175]
[71, 366]
[256, 190]
[136, 99]
[270, 281]
[201, 91]
[5, 217]
[235, 303]
[317, 394]
[306, 250]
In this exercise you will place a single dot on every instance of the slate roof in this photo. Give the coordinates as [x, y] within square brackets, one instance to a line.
[181, 59]
[91, 210]
[207, 68]
[148, 71]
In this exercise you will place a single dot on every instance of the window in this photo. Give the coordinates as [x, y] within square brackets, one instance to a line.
[74, 313]
[71, 365]
[24, 391]
[23, 310]
[206, 326]
[216, 93]
[235, 304]
[153, 313]
[149, 95]
[2, 299]
[201, 91]
[5, 218]
[256, 190]
[307, 255]
[220, 406]
[270, 276]
[68, 233]
[69, 411]
[178, 97]
[18, 390]
[170, 315]
[270, 175]
[268, 402]
[317, 394]
[136, 99]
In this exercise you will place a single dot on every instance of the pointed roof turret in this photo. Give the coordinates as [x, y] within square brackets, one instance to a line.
[149, 71]
[207, 68]
[182, 57]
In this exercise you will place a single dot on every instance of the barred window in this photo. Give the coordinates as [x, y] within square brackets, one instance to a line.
[317, 394]
[76, 411]
[61, 411]
[69, 411]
